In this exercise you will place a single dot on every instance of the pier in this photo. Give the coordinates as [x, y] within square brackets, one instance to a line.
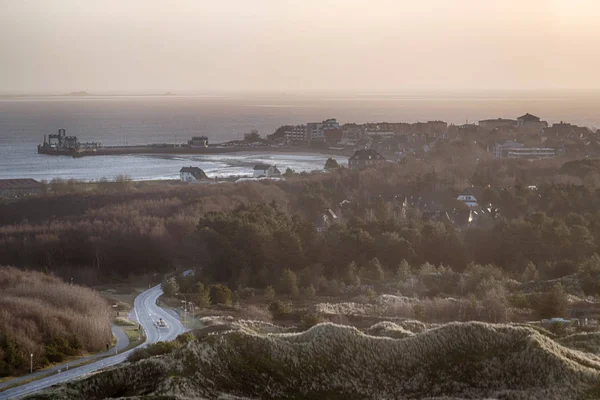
[60, 144]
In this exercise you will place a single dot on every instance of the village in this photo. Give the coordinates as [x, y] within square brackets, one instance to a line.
[526, 137]
[463, 202]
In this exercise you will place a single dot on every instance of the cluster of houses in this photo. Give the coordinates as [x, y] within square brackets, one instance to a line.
[527, 136]
[197, 175]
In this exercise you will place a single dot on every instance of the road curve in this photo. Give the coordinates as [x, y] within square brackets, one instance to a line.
[146, 312]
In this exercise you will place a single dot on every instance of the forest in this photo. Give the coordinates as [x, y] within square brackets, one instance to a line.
[247, 234]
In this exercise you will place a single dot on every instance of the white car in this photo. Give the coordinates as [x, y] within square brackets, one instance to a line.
[161, 323]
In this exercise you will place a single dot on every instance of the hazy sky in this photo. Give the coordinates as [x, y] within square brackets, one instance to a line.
[297, 45]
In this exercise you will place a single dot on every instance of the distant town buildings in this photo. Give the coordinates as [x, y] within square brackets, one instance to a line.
[511, 149]
[298, 134]
[198, 141]
[192, 175]
[531, 122]
[491, 124]
[315, 131]
[365, 159]
[19, 187]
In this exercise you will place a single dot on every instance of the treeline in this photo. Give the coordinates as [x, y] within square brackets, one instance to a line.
[43, 316]
[253, 245]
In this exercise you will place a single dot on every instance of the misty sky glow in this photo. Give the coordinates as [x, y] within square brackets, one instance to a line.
[54, 46]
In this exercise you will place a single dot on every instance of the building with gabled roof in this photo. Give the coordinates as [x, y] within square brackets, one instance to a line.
[365, 158]
[19, 187]
[266, 171]
[192, 175]
[531, 121]
[471, 196]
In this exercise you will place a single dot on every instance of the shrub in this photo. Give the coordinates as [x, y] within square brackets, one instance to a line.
[269, 293]
[220, 294]
[279, 309]
[153, 349]
[311, 319]
[310, 291]
[42, 315]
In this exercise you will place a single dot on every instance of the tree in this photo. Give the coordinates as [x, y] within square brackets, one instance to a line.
[403, 271]
[269, 293]
[289, 172]
[331, 164]
[374, 271]
[289, 284]
[531, 273]
[553, 303]
[220, 294]
[279, 309]
[310, 291]
[280, 132]
[589, 275]
[201, 296]
[351, 275]
[253, 136]
[170, 287]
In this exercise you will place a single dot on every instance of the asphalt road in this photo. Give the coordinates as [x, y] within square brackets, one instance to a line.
[122, 342]
[146, 312]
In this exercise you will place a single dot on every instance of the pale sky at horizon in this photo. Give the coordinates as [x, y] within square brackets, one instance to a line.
[196, 46]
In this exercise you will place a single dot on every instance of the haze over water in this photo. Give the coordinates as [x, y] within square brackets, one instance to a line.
[118, 120]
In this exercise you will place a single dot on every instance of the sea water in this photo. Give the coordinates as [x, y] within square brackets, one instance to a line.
[120, 120]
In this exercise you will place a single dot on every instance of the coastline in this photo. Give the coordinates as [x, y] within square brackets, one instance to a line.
[180, 150]
[156, 166]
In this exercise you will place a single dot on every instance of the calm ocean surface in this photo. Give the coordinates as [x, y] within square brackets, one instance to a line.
[116, 120]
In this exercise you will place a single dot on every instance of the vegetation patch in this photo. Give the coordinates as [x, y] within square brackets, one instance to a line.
[43, 316]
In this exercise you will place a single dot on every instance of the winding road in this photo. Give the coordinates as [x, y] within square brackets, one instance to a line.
[145, 312]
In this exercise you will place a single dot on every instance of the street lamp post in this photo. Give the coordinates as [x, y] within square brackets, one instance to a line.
[184, 301]
[31, 363]
[192, 311]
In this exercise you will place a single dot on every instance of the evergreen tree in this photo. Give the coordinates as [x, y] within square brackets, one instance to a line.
[170, 287]
[351, 277]
[553, 303]
[289, 283]
[331, 164]
[201, 296]
[403, 271]
[269, 293]
[374, 271]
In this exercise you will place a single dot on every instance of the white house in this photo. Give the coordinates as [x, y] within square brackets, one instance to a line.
[192, 175]
[471, 196]
[264, 170]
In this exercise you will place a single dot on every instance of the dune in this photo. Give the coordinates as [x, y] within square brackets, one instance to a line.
[328, 361]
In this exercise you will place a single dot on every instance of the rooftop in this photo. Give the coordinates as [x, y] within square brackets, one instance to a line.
[19, 183]
[366, 155]
[196, 172]
[261, 167]
[529, 117]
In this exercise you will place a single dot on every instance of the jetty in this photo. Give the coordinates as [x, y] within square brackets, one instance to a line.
[60, 144]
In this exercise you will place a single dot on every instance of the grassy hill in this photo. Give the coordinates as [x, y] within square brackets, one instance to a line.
[43, 315]
[457, 360]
